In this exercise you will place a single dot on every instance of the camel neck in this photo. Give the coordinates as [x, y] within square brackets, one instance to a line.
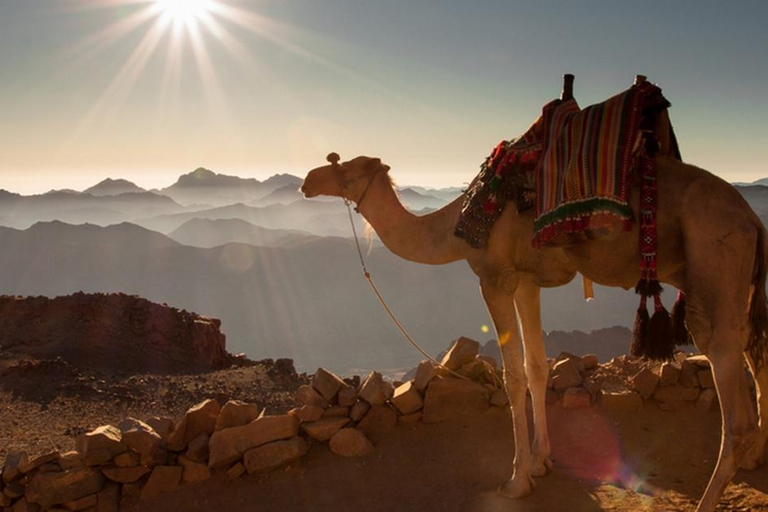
[424, 239]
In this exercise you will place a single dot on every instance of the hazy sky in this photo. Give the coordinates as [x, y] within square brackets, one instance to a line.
[97, 88]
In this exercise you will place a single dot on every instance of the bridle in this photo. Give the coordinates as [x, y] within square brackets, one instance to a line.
[333, 158]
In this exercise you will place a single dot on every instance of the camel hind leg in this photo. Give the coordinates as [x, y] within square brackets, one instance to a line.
[756, 456]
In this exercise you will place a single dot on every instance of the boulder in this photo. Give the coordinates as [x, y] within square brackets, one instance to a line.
[140, 437]
[675, 393]
[621, 400]
[448, 398]
[336, 411]
[700, 360]
[273, 455]
[127, 459]
[23, 505]
[407, 398]
[425, 372]
[100, 445]
[89, 501]
[125, 475]
[375, 390]
[108, 499]
[307, 412]
[163, 426]
[668, 374]
[705, 379]
[236, 471]
[327, 384]
[407, 419]
[306, 395]
[706, 399]
[49, 489]
[14, 461]
[325, 428]
[589, 361]
[199, 419]
[236, 414]
[463, 351]
[35, 463]
[688, 374]
[379, 421]
[578, 362]
[574, 398]
[565, 374]
[347, 396]
[70, 460]
[350, 442]
[163, 479]
[198, 448]
[645, 382]
[14, 490]
[193, 471]
[227, 446]
[360, 409]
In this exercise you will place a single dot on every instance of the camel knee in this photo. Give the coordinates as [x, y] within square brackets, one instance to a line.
[515, 382]
[537, 371]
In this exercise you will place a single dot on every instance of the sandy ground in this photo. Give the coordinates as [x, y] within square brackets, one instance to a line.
[604, 460]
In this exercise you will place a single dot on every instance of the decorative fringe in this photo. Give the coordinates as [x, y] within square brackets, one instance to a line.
[660, 346]
[640, 340]
[680, 331]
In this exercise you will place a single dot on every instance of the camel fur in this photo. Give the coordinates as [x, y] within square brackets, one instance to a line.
[712, 246]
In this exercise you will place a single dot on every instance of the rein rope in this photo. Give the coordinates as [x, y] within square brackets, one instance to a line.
[388, 310]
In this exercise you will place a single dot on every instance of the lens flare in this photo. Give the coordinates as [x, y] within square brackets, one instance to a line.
[183, 10]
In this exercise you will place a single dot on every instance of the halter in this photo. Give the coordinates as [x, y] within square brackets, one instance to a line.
[333, 158]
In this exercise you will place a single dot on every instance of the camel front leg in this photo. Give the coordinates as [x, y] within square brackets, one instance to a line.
[528, 302]
[501, 306]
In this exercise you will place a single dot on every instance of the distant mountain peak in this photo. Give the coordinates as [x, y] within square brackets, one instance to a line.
[110, 187]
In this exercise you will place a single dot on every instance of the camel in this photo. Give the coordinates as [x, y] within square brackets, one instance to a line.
[712, 246]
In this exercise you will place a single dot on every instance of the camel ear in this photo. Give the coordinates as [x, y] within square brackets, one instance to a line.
[386, 167]
[374, 164]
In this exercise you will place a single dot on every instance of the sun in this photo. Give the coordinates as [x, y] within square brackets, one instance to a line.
[183, 10]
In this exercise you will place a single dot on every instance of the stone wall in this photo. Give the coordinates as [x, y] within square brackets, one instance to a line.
[137, 460]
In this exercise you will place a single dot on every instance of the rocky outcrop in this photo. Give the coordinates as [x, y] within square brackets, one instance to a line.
[113, 332]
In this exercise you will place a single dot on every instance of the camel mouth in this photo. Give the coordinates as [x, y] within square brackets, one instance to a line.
[308, 194]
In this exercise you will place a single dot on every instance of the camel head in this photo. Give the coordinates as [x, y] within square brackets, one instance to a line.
[350, 180]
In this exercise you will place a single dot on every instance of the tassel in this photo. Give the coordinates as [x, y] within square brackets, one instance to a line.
[681, 334]
[660, 334]
[639, 345]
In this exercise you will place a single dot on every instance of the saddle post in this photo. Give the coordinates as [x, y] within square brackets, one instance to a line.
[567, 93]
[640, 79]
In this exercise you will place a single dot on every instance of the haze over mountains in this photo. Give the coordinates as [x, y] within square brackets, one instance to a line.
[281, 272]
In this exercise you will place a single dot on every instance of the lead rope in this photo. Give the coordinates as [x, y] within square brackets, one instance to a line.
[391, 315]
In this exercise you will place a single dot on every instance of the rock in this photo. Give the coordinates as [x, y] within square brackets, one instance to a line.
[350, 442]
[645, 382]
[577, 360]
[228, 445]
[70, 460]
[425, 372]
[705, 379]
[359, 410]
[575, 398]
[35, 463]
[140, 437]
[199, 419]
[306, 395]
[676, 393]
[407, 399]
[327, 384]
[100, 446]
[407, 419]
[565, 374]
[198, 448]
[127, 459]
[24, 506]
[5, 501]
[324, 429]
[463, 351]
[13, 463]
[706, 399]
[125, 475]
[375, 390]
[379, 421]
[14, 490]
[236, 414]
[476, 370]
[688, 371]
[193, 471]
[347, 396]
[308, 412]
[699, 360]
[108, 500]
[236, 471]
[629, 400]
[83, 503]
[552, 397]
[449, 398]
[163, 427]
[163, 479]
[499, 398]
[668, 374]
[273, 455]
[589, 361]
[336, 411]
[49, 489]
[132, 489]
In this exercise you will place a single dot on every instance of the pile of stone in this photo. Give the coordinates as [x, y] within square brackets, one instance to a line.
[142, 459]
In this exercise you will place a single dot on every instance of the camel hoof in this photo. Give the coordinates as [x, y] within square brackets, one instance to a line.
[542, 467]
[517, 487]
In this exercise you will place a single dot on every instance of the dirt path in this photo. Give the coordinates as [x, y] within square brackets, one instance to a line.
[601, 457]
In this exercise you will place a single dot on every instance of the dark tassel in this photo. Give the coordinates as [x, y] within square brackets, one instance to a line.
[640, 340]
[661, 345]
[681, 334]
[641, 286]
[653, 288]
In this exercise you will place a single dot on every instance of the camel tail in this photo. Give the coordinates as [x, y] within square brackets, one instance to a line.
[758, 309]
